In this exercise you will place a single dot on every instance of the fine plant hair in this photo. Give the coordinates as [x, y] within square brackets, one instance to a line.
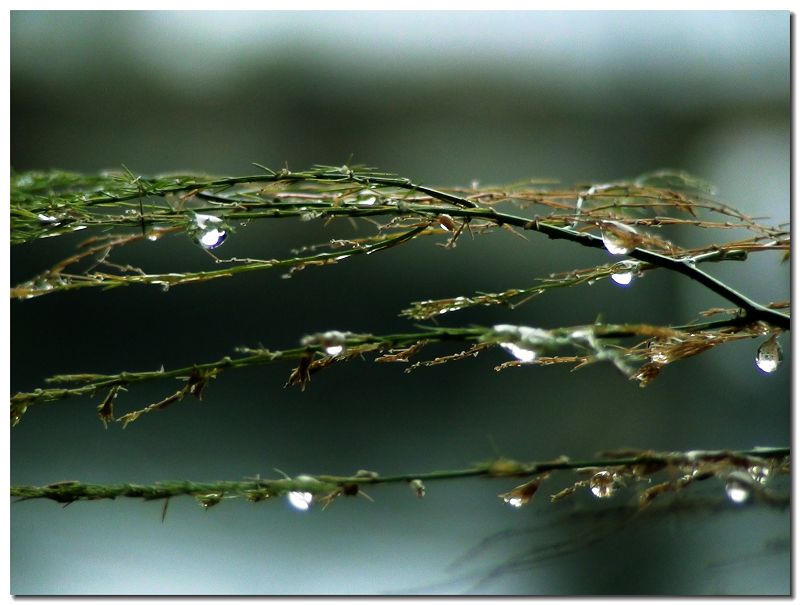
[639, 222]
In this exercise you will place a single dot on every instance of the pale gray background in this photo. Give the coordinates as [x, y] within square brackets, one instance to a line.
[444, 99]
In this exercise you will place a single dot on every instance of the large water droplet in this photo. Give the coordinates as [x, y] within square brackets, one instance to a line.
[334, 350]
[618, 238]
[769, 355]
[209, 231]
[300, 500]
[602, 484]
[738, 486]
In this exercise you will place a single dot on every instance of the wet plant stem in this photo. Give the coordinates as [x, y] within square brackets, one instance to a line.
[355, 345]
[326, 485]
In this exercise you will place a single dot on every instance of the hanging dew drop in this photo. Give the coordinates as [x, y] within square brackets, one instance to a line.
[623, 272]
[769, 355]
[300, 500]
[208, 231]
[602, 484]
[516, 501]
[738, 487]
[623, 279]
[618, 238]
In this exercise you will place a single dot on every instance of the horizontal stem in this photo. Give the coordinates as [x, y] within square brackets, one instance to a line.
[332, 485]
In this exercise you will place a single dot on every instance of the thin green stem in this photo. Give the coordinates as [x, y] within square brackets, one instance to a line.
[312, 356]
[331, 486]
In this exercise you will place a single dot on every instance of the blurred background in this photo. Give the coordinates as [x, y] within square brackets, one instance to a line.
[444, 99]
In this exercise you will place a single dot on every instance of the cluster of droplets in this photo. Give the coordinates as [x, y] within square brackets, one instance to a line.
[522, 342]
[39, 286]
[769, 355]
[208, 230]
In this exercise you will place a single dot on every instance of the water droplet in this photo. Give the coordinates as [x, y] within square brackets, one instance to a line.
[602, 484]
[738, 486]
[760, 474]
[209, 500]
[208, 231]
[514, 501]
[418, 487]
[366, 197]
[310, 215]
[522, 342]
[624, 272]
[524, 355]
[47, 219]
[618, 238]
[769, 355]
[300, 500]
[446, 222]
[332, 341]
[623, 279]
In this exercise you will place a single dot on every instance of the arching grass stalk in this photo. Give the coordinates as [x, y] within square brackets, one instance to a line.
[37, 211]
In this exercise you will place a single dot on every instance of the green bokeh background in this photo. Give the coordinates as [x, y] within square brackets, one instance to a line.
[445, 99]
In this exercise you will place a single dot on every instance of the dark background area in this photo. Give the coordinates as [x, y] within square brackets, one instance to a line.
[444, 99]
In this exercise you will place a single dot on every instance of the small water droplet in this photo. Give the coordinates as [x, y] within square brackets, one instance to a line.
[618, 238]
[524, 355]
[208, 231]
[418, 487]
[760, 474]
[602, 484]
[366, 197]
[334, 350]
[300, 500]
[514, 501]
[738, 486]
[769, 355]
[446, 222]
[48, 219]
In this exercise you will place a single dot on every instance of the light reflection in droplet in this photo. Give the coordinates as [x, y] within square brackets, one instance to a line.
[515, 501]
[300, 500]
[769, 355]
[623, 279]
[738, 491]
[208, 232]
[602, 484]
[618, 238]
[522, 354]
